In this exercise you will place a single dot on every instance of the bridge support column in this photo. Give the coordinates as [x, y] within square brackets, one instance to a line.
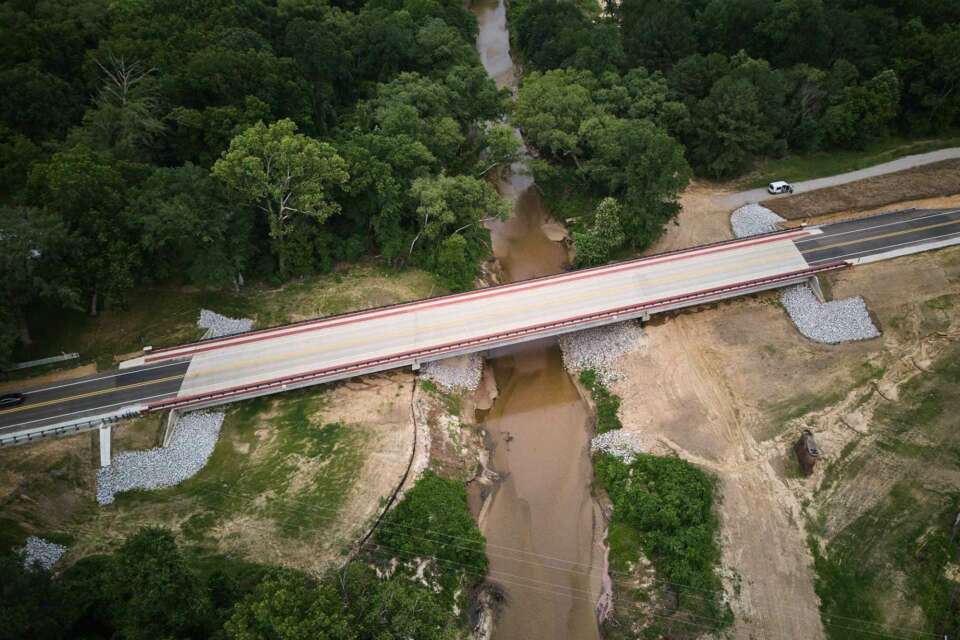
[105, 445]
[415, 366]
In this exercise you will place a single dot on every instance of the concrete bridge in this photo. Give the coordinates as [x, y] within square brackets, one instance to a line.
[223, 370]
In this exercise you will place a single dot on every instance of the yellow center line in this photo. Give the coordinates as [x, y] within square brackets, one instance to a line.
[892, 234]
[592, 293]
[89, 394]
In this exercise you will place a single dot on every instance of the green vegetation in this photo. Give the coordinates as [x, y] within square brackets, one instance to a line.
[151, 588]
[818, 164]
[764, 78]
[605, 136]
[607, 403]
[663, 507]
[270, 144]
[807, 88]
[898, 554]
[297, 479]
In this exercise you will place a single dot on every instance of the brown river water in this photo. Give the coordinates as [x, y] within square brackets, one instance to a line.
[540, 520]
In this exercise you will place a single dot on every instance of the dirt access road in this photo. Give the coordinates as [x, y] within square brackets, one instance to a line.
[734, 200]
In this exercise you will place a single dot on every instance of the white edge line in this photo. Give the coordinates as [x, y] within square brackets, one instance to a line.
[112, 374]
[886, 224]
[92, 416]
[906, 251]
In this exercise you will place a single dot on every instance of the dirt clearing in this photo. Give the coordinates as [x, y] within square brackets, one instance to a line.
[935, 180]
[729, 388]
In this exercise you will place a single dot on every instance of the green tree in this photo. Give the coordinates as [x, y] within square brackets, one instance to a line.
[594, 245]
[125, 117]
[395, 607]
[29, 602]
[502, 147]
[87, 190]
[552, 106]
[428, 520]
[642, 166]
[378, 199]
[32, 244]
[456, 268]
[185, 223]
[453, 205]
[288, 606]
[656, 33]
[154, 592]
[864, 112]
[35, 103]
[285, 174]
[730, 129]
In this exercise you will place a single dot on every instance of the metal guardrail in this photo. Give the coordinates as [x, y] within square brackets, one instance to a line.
[69, 427]
[42, 361]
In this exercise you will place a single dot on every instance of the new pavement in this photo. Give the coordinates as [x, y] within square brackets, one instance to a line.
[888, 232]
[65, 400]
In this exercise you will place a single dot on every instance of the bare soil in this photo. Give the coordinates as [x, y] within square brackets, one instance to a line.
[935, 180]
[729, 388]
[702, 219]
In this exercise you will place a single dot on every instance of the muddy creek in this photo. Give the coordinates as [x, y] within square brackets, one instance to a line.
[540, 519]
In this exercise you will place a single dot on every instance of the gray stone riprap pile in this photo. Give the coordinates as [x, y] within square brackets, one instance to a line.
[829, 322]
[218, 325]
[598, 348]
[620, 443]
[752, 219]
[462, 372]
[194, 437]
[40, 552]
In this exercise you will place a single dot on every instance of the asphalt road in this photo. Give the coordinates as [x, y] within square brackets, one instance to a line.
[343, 341]
[93, 395]
[907, 162]
[879, 234]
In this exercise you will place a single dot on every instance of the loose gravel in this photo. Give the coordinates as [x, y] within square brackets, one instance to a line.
[38, 552]
[753, 219]
[619, 442]
[831, 322]
[218, 325]
[194, 437]
[460, 373]
[599, 348]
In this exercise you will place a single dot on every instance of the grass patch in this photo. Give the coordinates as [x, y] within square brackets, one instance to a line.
[166, 316]
[452, 402]
[827, 163]
[887, 568]
[297, 474]
[607, 403]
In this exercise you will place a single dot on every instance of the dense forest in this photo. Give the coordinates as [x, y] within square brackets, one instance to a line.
[210, 142]
[415, 581]
[619, 98]
[213, 140]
